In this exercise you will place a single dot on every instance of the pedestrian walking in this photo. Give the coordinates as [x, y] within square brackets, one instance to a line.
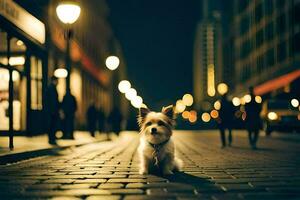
[115, 119]
[226, 120]
[69, 107]
[253, 120]
[101, 121]
[91, 116]
[52, 110]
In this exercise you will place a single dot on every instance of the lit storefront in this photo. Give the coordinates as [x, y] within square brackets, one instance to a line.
[22, 51]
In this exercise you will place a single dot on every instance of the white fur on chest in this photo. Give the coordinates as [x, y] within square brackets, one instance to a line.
[165, 156]
[146, 150]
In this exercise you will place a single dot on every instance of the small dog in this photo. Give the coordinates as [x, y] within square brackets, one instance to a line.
[156, 149]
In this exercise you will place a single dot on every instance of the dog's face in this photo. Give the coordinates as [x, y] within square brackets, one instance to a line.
[156, 127]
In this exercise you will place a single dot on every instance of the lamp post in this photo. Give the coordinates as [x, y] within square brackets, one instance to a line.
[68, 13]
[112, 63]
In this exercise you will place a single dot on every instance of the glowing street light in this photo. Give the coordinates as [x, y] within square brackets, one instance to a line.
[60, 73]
[137, 102]
[236, 101]
[112, 62]
[214, 114]
[68, 12]
[188, 99]
[295, 103]
[130, 94]
[185, 114]
[180, 106]
[222, 88]
[192, 118]
[124, 86]
[247, 98]
[205, 117]
[217, 105]
[258, 99]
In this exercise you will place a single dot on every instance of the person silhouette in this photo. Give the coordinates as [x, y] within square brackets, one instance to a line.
[101, 120]
[69, 107]
[226, 118]
[52, 110]
[91, 116]
[253, 120]
[115, 119]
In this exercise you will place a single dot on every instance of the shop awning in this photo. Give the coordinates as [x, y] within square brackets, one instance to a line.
[276, 83]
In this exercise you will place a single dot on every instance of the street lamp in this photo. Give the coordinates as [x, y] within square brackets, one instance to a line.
[68, 13]
[112, 62]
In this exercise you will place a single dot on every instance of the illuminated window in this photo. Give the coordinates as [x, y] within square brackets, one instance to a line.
[36, 83]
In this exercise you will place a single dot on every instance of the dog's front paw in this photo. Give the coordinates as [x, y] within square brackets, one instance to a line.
[143, 172]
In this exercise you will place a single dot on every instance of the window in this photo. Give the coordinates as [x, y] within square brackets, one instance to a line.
[258, 12]
[281, 24]
[281, 51]
[259, 38]
[280, 4]
[297, 13]
[245, 49]
[296, 43]
[270, 57]
[269, 7]
[259, 64]
[243, 5]
[245, 24]
[36, 83]
[269, 31]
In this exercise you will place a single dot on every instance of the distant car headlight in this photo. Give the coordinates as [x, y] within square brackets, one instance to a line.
[272, 116]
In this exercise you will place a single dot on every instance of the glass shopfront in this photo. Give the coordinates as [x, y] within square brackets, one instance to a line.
[27, 76]
[22, 71]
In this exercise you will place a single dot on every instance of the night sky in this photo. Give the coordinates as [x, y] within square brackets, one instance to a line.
[157, 41]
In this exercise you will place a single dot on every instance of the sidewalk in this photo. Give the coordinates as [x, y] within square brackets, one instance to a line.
[23, 144]
[109, 170]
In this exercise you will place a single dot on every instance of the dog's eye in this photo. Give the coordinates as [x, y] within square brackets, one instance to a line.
[160, 123]
[148, 123]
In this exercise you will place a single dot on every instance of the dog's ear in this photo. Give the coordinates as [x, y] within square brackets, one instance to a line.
[168, 111]
[143, 112]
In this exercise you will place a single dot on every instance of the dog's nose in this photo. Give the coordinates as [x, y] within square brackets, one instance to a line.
[153, 130]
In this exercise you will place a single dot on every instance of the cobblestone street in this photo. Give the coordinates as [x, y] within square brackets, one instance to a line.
[109, 170]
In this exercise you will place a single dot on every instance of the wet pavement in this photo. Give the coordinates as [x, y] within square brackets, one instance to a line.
[109, 170]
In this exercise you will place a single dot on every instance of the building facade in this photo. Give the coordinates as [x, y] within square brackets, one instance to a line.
[266, 45]
[208, 66]
[32, 46]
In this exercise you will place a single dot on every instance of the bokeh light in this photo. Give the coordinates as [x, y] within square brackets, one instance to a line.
[60, 73]
[222, 88]
[180, 106]
[112, 62]
[247, 98]
[192, 118]
[258, 99]
[205, 117]
[185, 114]
[137, 102]
[188, 99]
[236, 101]
[214, 114]
[68, 12]
[295, 103]
[130, 94]
[124, 86]
[272, 115]
[217, 105]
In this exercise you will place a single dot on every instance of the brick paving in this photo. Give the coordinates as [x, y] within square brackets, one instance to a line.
[109, 170]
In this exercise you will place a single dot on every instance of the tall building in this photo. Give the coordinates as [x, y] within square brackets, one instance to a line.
[207, 54]
[266, 45]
